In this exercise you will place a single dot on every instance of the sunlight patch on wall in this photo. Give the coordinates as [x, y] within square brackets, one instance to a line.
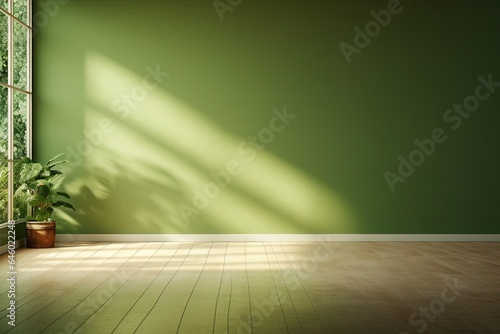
[154, 164]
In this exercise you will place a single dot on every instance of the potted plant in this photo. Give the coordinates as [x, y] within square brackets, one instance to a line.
[41, 184]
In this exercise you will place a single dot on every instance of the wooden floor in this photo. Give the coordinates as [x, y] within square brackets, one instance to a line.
[256, 287]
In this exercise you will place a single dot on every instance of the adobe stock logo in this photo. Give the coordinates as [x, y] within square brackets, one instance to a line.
[293, 279]
[46, 10]
[96, 301]
[247, 151]
[428, 146]
[421, 318]
[121, 107]
[372, 29]
[222, 6]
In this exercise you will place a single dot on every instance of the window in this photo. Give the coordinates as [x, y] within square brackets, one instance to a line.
[15, 102]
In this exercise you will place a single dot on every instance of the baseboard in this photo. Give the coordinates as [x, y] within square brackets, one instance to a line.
[273, 237]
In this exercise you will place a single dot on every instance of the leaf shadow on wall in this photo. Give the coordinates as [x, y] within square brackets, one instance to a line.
[160, 166]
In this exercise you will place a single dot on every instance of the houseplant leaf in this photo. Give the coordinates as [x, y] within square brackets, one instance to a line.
[40, 184]
[30, 172]
[52, 163]
[64, 204]
[63, 194]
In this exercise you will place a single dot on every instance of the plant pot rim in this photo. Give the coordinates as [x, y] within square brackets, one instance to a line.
[40, 222]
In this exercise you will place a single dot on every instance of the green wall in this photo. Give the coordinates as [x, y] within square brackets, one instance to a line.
[144, 148]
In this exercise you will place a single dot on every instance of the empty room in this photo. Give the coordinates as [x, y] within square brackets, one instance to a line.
[238, 166]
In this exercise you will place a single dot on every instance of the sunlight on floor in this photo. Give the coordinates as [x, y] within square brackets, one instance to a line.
[249, 256]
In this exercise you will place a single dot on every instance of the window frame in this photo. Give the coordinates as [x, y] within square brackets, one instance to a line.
[11, 89]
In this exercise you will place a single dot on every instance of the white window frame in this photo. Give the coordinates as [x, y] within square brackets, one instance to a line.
[12, 88]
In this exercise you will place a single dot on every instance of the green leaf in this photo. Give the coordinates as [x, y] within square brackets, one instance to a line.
[30, 172]
[56, 182]
[41, 196]
[36, 184]
[52, 163]
[65, 204]
[43, 215]
[22, 188]
[63, 194]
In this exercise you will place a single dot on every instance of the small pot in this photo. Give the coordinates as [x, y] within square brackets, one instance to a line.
[40, 234]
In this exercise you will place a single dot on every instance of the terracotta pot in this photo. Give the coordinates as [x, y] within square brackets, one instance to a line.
[40, 234]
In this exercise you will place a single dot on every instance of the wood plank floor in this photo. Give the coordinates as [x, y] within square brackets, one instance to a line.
[256, 287]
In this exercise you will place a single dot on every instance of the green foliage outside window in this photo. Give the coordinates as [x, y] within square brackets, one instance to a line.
[20, 106]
